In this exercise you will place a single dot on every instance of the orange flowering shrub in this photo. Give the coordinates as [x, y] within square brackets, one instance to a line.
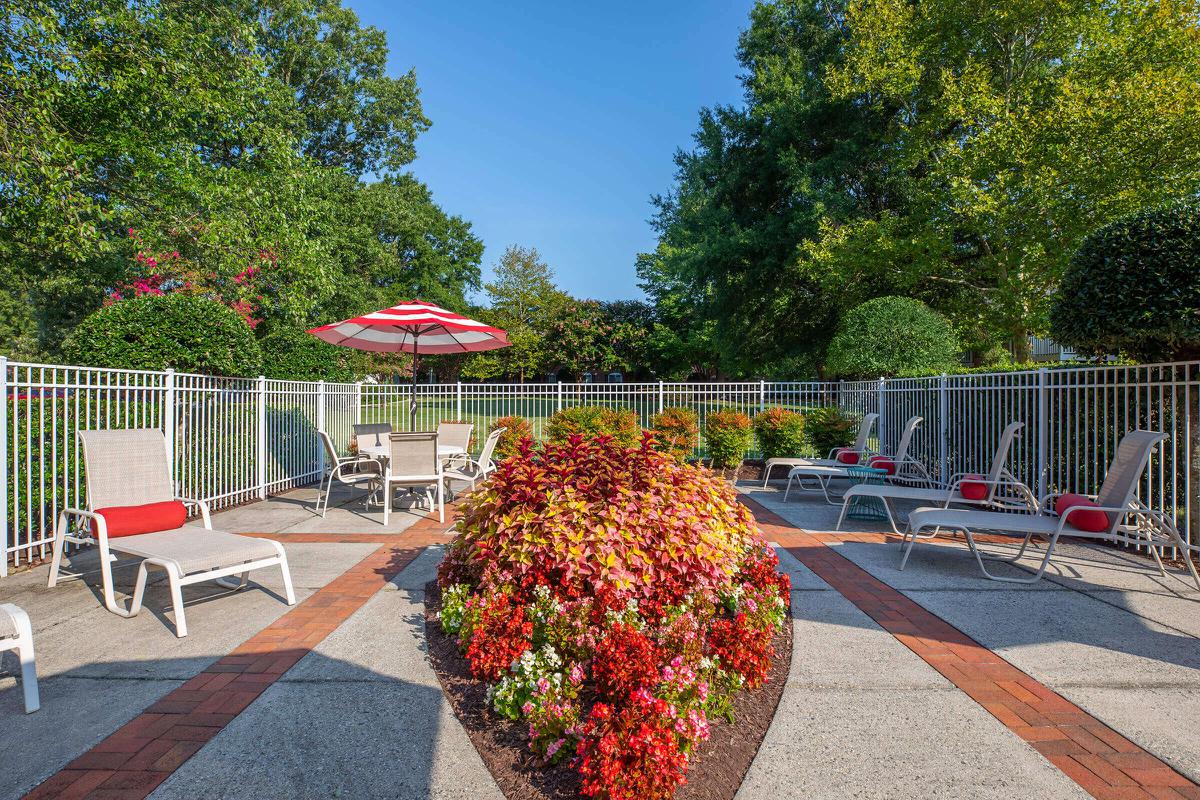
[516, 430]
[676, 430]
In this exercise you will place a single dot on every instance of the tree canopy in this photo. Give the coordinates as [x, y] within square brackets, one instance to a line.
[953, 152]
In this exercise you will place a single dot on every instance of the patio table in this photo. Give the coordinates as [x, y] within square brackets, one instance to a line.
[866, 508]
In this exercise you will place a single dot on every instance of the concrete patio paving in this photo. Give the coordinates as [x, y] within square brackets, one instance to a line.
[354, 710]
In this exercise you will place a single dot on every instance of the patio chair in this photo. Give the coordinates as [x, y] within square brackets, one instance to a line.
[377, 432]
[997, 488]
[348, 470]
[856, 451]
[133, 510]
[17, 634]
[456, 434]
[1126, 520]
[479, 468]
[414, 463]
[903, 468]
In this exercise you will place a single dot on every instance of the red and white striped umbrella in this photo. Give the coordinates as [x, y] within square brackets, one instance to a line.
[413, 327]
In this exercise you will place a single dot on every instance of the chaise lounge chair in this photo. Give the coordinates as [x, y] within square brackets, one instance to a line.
[902, 468]
[1114, 515]
[998, 488]
[838, 456]
[133, 510]
[17, 634]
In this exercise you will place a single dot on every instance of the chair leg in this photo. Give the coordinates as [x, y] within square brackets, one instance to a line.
[173, 577]
[441, 499]
[787, 490]
[387, 502]
[287, 575]
[60, 534]
[25, 653]
[139, 590]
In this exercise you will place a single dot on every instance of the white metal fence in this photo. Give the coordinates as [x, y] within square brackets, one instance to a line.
[239, 439]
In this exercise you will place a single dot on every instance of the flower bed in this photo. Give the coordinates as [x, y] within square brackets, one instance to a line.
[616, 604]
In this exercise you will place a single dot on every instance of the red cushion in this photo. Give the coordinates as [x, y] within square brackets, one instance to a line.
[973, 487]
[1083, 518]
[152, 517]
[846, 456]
[885, 464]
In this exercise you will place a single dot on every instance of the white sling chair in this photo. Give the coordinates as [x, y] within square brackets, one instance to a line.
[859, 447]
[908, 470]
[130, 468]
[359, 470]
[17, 634]
[1002, 489]
[1130, 521]
[478, 469]
[414, 463]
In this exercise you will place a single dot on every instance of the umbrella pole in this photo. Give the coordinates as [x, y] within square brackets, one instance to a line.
[412, 408]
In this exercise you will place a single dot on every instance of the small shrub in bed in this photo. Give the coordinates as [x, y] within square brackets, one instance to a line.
[780, 433]
[728, 434]
[675, 431]
[829, 428]
[516, 430]
[615, 600]
[591, 421]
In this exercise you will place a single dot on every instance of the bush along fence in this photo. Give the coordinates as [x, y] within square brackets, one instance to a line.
[234, 440]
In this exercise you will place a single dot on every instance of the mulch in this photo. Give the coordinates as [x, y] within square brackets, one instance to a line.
[716, 771]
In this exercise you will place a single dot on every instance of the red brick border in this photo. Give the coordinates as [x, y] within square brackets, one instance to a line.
[1103, 762]
[134, 760]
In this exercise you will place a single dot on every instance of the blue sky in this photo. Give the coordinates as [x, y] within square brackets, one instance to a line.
[554, 122]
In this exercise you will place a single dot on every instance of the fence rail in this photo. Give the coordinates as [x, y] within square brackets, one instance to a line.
[233, 440]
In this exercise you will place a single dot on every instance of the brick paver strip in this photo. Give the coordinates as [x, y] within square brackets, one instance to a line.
[143, 753]
[1103, 762]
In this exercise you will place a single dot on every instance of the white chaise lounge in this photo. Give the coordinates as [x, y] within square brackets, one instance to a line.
[1129, 521]
[129, 487]
[858, 449]
[904, 469]
[996, 489]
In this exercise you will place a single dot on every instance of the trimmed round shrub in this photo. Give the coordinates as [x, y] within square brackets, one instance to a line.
[676, 429]
[889, 335]
[185, 331]
[516, 429]
[728, 434]
[293, 354]
[592, 421]
[1133, 287]
[780, 433]
[830, 427]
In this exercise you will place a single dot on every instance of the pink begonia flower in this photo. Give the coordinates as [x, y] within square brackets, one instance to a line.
[527, 709]
[554, 747]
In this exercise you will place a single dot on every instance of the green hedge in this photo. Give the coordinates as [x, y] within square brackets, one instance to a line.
[1133, 287]
[184, 331]
[780, 433]
[590, 421]
[728, 434]
[889, 335]
[293, 354]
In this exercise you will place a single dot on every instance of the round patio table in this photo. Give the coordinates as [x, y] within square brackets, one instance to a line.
[866, 508]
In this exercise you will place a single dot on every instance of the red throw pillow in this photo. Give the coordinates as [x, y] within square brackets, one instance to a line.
[846, 456]
[973, 487]
[150, 518]
[1085, 519]
[885, 464]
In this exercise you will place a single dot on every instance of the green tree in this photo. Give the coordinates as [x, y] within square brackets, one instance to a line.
[523, 301]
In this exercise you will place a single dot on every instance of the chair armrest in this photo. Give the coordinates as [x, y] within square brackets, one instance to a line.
[201, 505]
[371, 464]
[96, 519]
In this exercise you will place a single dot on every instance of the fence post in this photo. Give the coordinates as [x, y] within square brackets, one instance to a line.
[943, 429]
[660, 396]
[1043, 432]
[168, 413]
[4, 466]
[558, 401]
[358, 402]
[261, 460]
[882, 415]
[321, 423]
[762, 396]
[458, 401]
